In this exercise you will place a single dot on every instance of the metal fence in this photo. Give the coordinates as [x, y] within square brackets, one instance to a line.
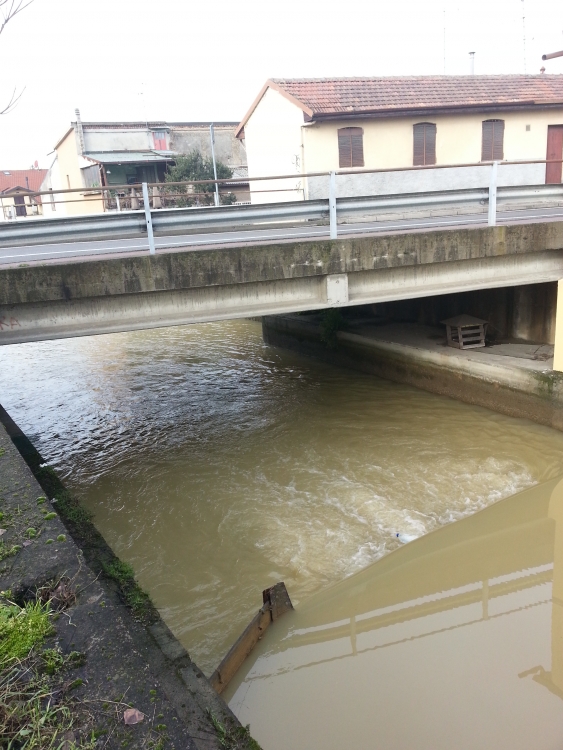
[151, 209]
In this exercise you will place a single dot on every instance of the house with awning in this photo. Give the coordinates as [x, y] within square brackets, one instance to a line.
[304, 126]
[106, 154]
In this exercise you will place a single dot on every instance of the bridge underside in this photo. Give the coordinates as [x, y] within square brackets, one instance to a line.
[62, 300]
[37, 321]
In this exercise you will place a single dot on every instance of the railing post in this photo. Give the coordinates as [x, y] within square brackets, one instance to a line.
[332, 205]
[493, 195]
[148, 217]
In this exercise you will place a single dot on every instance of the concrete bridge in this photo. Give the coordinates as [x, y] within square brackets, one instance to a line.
[177, 287]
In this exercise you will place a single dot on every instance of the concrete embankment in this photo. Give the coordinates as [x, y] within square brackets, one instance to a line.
[128, 655]
[511, 381]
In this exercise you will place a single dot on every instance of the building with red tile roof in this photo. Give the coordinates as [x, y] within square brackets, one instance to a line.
[300, 126]
[16, 189]
[23, 179]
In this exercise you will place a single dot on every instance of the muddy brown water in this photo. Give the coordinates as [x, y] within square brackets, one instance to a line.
[453, 641]
[217, 465]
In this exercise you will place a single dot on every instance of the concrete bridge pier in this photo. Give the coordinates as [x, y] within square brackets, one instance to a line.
[558, 350]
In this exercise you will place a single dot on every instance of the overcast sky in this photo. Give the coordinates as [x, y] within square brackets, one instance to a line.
[186, 60]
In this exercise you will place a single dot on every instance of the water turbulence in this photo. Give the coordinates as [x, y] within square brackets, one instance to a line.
[216, 465]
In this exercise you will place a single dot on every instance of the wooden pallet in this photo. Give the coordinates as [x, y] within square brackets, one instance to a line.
[466, 332]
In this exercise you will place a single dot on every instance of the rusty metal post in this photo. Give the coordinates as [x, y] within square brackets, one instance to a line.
[276, 603]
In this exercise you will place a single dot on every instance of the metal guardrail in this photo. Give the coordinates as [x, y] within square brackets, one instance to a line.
[147, 221]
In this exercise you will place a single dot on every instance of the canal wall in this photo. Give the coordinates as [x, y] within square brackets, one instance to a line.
[506, 384]
[50, 549]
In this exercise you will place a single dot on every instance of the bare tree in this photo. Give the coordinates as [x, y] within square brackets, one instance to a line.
[9, 9]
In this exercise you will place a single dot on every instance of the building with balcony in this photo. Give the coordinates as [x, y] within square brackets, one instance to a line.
[106, 154]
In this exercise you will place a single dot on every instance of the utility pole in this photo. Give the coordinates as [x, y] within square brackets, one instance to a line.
[212, 136]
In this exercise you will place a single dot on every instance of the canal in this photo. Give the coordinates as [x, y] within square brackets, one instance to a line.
[217, 465]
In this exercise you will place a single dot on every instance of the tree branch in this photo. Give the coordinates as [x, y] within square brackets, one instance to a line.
[9, 9]
[14, 99]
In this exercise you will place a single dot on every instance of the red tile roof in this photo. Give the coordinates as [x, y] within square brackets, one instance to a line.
[12, 178]
[331, 97]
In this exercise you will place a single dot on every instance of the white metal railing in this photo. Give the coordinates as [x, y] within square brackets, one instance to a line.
[144, 219]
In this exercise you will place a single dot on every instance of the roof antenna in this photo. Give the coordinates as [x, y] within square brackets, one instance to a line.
[472, 63]
[444, 41]
[79, 132]
[524, 33]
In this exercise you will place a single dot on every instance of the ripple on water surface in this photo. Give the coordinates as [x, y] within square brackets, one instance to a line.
[217, 465]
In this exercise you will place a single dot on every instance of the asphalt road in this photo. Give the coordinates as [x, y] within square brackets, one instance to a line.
[68, 250]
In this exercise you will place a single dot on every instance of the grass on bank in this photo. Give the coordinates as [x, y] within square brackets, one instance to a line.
[98, 554]
[32, 715]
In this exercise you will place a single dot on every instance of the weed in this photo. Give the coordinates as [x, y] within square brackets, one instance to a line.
[123, 574]
[7, 551]
[233, 737]
[22, 628]
[53, 660]
[2, 451]
[61, 538]
[41, 500]
[120, 571]
[31, 533]
[60, 593]
[49, 516]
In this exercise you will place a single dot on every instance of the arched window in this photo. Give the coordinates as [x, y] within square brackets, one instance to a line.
[350, 147]
[424, 143]
[492, 145]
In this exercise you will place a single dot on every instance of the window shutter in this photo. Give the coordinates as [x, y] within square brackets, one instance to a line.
[357, 140]
[424, 143]
[498, 140]
[418, 145]
[350, 147]
[492, 148]
[344, 149]
[430, 143]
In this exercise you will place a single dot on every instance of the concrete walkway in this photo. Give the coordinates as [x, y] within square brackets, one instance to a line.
[536, 357]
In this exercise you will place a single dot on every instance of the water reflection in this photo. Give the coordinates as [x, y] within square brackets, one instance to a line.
[441, 644]
[553, 680]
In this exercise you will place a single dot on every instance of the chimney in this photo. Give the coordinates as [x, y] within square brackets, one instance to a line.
[79, 132]
[472, 63]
